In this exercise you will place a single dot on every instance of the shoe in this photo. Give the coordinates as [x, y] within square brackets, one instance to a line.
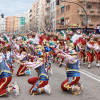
[60, 65]
[97, 64]
[84, 63]
[15, 88]
[47, 89]
[28, 72]
[81, 86]
[50, 72]
[76, 90]
[53, 61]
[89, 66]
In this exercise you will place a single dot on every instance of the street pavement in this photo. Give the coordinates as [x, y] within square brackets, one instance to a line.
[91, 89]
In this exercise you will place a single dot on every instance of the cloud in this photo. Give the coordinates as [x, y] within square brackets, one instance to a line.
[12, 7]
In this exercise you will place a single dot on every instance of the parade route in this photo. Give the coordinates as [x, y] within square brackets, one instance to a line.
[93, 76]
[50, 50]
[90, 82]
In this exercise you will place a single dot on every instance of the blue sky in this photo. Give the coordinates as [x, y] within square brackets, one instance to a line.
[13, 7]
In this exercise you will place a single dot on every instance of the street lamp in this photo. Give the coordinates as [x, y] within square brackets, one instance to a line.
[86, 17]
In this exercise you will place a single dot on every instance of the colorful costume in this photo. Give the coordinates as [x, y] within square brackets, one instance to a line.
[73, 75]
[41, 80]
[22, 69]
[82, 50]
[97, 52]
[5, 76]
[89, 53]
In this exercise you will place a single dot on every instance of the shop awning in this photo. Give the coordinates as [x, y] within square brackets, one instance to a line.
[62, 17]
[62, 6]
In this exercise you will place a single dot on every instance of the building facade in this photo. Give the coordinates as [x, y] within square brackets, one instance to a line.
[15, 23]
[69, 15]
[48, 22]
[35, 16]
[10, 24]
[53, 14]
[21, 23]
[41, 15]
[27, 20]
[2, 25]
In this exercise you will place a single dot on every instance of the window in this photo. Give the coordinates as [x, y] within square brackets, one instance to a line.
[53, 5]
[89, 20]
[68, 8]
[57, 12]
[57, 2]
[67, 21]
[89, 6]
[62, 21]
[48, 1]
[62, 9]
[54, 24]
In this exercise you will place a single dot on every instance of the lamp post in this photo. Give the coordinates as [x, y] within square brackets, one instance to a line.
[86, 17]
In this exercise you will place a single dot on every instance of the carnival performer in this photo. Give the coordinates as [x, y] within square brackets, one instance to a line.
[82, 50]
[89, 52]
[9, 57]
[97, 51]
[23, 58]
[6, 77]
[72, 71]
[40, 83]
[61, 38]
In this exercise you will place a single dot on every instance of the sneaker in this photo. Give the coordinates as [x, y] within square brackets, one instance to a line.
[89, 66]
[80, 85]
[97, 64]
[60, 65]
[76, 90]
[51, 72]
[28, 72]
[47, 89]
[15, 88]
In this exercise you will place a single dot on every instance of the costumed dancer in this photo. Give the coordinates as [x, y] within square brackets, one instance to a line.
[9, 57]
[89, 52]
[82, 49]
[47, 51]
[23, 58]
[73, 74]
[61, 38]
[76, 39]
[40, 83]
[97, 51]
[6, 77]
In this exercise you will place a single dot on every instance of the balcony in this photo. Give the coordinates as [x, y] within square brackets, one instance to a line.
[92, 1]
[92, 12]
[47, 13]
[47, 6]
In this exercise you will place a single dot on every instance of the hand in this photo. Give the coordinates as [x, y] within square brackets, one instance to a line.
[18, 61]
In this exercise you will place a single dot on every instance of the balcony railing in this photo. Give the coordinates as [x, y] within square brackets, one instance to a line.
[47, 13]
[47, 6]
[94, 1]
[92, 12]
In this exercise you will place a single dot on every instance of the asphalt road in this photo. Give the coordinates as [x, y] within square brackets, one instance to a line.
[91, 87]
